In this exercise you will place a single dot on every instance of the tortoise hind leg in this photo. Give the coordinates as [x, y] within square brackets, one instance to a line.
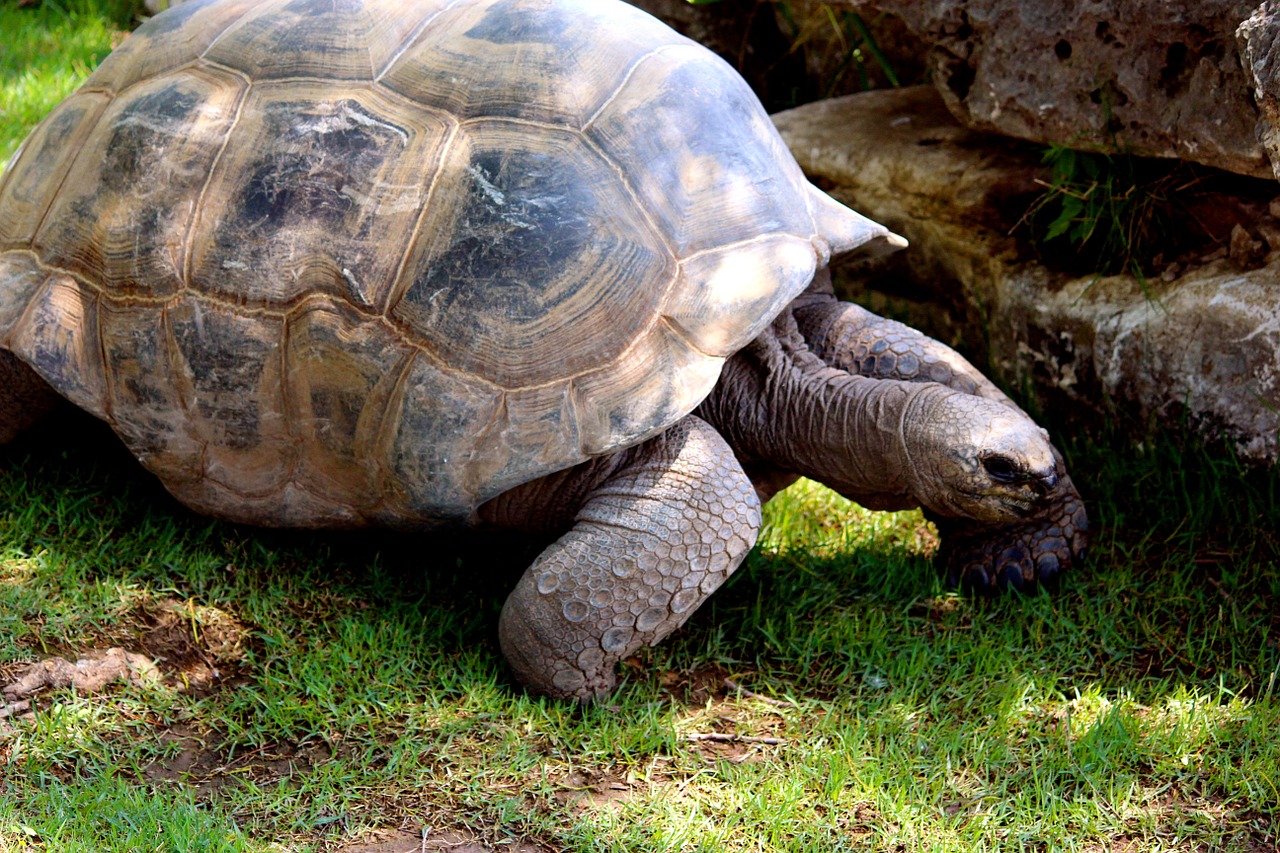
[654, 537]
[25, 398]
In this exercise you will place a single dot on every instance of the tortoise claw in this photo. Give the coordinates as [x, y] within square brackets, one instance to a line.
[982, 559]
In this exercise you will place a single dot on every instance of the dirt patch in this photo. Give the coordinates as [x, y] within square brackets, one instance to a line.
[419, 841]
[180, 645]
[195, 646]
[584, 791]
[200, 760]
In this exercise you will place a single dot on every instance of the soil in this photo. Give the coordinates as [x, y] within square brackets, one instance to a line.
[418, 841]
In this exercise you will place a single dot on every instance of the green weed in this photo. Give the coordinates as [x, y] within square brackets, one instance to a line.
[1114, 210]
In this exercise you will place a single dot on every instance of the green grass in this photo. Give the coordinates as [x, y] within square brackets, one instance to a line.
[47, 48]
[321, 689]
[359, 686]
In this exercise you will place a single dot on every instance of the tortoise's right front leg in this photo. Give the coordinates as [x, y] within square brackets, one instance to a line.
[25, 398]
[660, 527]
[973, 554]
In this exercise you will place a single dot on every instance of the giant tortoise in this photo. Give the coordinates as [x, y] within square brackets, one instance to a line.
[541, 265]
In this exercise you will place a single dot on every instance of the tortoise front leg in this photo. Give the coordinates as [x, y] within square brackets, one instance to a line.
[656, 535]
[973, 554]
[25, 398]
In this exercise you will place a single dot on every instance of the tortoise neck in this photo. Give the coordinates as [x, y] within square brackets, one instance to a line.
[786, 414]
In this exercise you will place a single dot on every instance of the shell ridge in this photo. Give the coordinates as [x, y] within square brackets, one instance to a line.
[108, 379]
[400, 283]
[682, 334]
[740, 244]
[472, 480]
[197, 214]
[625, 80]
[640, 206]
[393, 411]
[409, 42]
[575, 412]
[286, 411]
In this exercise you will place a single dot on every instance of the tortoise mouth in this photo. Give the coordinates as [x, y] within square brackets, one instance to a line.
[1012, 502]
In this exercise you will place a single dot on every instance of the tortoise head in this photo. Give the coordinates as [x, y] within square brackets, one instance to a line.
[977, 458]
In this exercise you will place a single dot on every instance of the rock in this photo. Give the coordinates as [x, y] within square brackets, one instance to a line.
[1156, 77]
[1259, 41]
[1202, 348]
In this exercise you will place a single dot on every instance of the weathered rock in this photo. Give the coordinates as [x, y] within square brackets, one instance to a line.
[1202, 348]
[1259, 40]
[1157, 77]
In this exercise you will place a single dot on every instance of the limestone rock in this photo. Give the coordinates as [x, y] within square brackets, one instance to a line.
[1202, 348]
[1157, 77]
[1259, 39]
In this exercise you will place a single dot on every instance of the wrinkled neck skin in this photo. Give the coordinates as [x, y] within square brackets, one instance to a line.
[786, 414]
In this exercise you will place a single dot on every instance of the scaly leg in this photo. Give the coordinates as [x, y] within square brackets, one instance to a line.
[661, 527]
[973, 554]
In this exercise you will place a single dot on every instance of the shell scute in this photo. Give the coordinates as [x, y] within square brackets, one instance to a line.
[320, 193]
[167, 42]
[38, 170]
[230, 370]
[146, 392]
[534, 431]
[654, 384]
[58, 337]
[340, 372]
[21, 275]
[554, 63]
[725, 298]
[332, 40]
[432, 439]
[121, 219]
[537, 262]
[709, 165]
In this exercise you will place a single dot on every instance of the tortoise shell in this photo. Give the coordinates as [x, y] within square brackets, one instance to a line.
[349, 262]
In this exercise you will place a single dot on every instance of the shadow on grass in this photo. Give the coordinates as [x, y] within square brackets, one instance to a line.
[1138, 700]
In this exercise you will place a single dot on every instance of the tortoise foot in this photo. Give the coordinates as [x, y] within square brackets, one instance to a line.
[980, 558]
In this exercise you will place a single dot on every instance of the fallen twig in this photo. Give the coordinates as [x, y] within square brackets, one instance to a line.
[725, 737]
[768, 700]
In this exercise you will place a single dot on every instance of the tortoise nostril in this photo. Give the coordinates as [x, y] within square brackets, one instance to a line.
[1046, 483]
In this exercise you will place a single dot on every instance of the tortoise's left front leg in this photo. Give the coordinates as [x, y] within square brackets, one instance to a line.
[974, 555]
[657, 529]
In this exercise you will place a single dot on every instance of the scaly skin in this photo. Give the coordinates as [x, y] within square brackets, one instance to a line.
[653, 530]
[885, 443]
[662, 526]
[973, 555]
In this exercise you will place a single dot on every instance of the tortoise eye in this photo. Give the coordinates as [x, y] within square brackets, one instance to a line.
[1002, 469]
